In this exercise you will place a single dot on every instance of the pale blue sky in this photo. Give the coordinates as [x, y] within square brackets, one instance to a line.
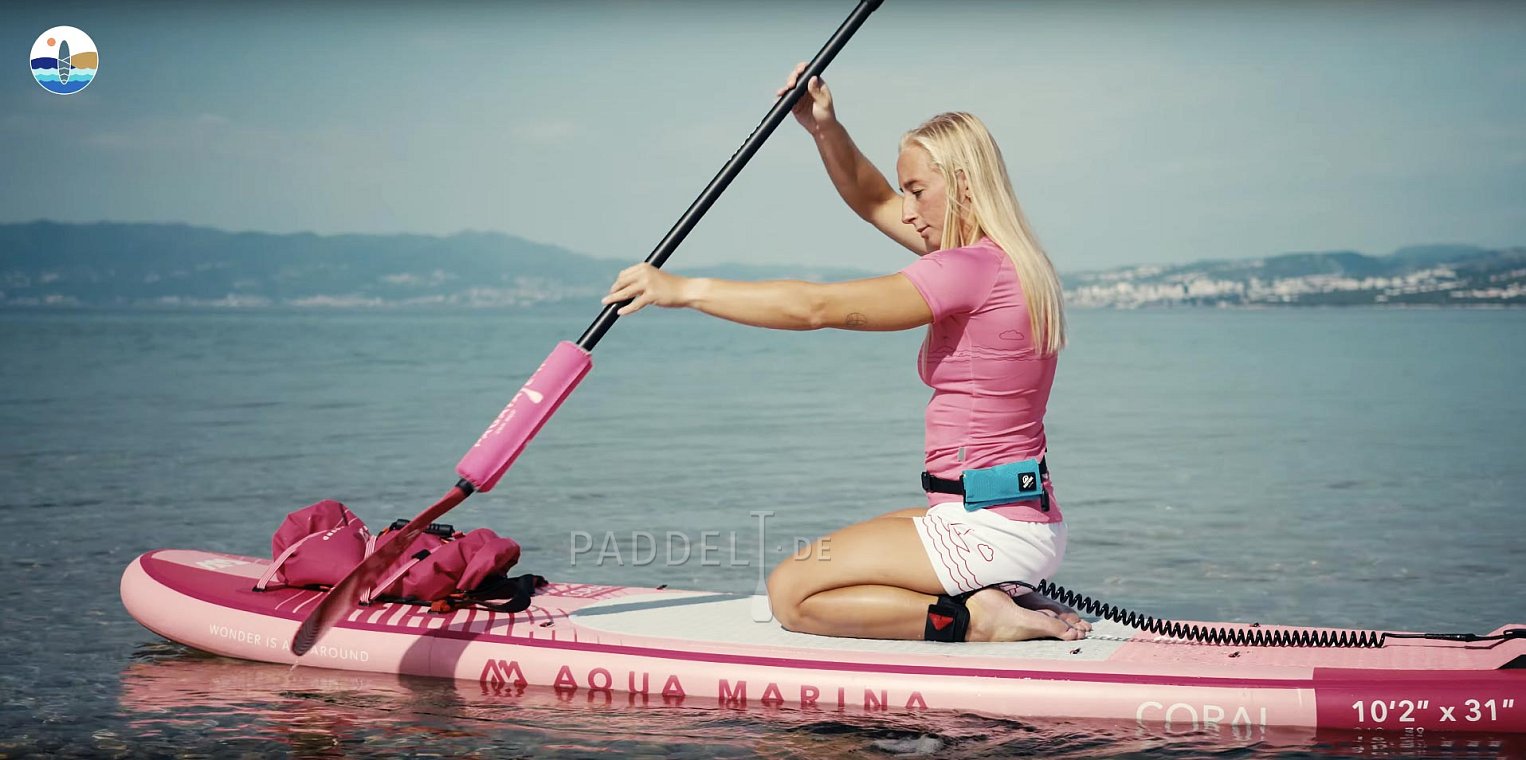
[1135, 131]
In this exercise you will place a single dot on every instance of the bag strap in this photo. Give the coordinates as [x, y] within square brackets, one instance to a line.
[275, 565]
[387, 582]
[515, 591]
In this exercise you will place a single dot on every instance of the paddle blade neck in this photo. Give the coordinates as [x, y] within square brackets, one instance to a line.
[503, 440]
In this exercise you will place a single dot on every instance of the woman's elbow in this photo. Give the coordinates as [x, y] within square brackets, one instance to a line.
[816, 308]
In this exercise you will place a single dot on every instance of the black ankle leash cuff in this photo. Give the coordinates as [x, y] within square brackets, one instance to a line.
[948, 619]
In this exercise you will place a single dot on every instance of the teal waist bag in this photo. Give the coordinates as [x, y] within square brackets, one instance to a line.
[995, 486]
[1004, 484]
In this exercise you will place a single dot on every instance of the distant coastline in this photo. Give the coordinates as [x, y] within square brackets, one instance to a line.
[172, 266]
[1429, 276]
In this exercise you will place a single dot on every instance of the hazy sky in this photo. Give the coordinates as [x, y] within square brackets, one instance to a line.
[1135, 131]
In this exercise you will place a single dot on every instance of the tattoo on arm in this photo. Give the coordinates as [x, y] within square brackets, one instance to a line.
[856, 319]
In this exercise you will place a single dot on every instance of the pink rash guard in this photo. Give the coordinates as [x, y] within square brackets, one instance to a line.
[990, 385]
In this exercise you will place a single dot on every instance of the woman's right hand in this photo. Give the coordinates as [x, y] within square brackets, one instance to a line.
[813, 110]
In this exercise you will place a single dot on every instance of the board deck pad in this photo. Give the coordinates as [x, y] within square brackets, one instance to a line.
[706, 646]
[727, 619]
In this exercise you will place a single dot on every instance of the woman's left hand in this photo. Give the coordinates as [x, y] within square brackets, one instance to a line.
[645, 284]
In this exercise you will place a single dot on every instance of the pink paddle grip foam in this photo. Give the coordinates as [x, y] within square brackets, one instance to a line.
[487, 460]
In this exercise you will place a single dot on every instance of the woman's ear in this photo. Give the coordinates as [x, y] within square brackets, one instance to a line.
[963, 200]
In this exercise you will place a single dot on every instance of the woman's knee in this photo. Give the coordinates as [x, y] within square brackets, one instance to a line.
[874, 552]
[783, 598]
[791, 582]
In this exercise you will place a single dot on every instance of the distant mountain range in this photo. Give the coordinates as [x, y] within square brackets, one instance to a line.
[1452, 275]
[169, 265]
[108, 264]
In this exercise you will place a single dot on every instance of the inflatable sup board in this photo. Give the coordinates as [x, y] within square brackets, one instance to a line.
[705, 647]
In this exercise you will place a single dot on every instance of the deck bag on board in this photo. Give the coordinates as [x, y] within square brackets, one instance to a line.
[317, 545]
[423, 546]
[468, 570]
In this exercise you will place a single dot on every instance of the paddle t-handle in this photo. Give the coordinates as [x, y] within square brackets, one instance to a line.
[551, 383]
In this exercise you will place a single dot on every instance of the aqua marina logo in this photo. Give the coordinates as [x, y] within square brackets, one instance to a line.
[64, 60]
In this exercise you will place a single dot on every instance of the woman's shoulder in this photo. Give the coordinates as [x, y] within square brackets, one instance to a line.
[981, 256]
[980, 249]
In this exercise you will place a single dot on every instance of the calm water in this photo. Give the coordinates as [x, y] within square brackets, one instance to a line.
[1325, 467]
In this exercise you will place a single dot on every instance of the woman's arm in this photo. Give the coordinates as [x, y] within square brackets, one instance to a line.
[863, 188]
[857, 181]
[876, 304]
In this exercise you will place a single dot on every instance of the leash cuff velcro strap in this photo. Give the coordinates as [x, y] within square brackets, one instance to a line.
[947, 619]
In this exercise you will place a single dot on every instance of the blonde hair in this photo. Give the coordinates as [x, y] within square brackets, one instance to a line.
[960, 146]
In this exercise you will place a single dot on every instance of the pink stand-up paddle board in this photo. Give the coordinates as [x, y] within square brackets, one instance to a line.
[706, 648]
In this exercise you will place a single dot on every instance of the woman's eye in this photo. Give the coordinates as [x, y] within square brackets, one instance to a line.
[916, 193]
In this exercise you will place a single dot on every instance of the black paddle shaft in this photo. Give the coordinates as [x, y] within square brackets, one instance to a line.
[713, 191]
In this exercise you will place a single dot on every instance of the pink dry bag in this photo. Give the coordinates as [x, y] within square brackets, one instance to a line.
[454, 567]
[320, 544]
[316, 546]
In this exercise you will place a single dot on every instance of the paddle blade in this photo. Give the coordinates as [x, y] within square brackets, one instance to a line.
[343, 598]
[552, 382]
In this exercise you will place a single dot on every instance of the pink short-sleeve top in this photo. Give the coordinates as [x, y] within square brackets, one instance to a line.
[990, 383]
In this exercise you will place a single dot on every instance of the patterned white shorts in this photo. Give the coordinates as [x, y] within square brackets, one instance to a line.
[972, 550]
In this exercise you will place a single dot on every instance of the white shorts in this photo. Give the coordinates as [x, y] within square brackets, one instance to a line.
[972, 550]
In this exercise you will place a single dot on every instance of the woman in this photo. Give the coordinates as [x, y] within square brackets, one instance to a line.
[992, 300]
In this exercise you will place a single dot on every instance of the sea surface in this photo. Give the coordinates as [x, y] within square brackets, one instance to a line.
[1354, 468]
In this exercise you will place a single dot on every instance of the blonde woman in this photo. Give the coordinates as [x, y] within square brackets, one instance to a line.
[991, 301]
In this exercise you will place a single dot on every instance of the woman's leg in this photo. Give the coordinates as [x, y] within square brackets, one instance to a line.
[874, 580]
[908, 512]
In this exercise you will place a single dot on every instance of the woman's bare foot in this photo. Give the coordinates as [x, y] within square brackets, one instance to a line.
[1037, 602]
[994, 616]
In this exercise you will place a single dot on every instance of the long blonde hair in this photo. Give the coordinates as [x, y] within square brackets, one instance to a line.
[961, 147]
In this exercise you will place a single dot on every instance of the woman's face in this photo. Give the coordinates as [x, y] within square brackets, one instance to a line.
[924, 202]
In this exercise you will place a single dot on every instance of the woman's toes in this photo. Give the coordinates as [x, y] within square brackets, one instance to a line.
[994, 616]
[1032, 624]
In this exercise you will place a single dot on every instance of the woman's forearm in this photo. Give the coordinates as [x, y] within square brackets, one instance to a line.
[778, 304]
[861, 185]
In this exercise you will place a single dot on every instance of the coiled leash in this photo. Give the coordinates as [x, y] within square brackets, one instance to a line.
[1244, 637]
[948, 619]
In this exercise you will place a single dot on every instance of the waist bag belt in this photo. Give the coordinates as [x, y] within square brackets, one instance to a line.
[994, 486]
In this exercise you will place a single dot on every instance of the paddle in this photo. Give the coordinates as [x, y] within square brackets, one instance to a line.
[487, 460]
